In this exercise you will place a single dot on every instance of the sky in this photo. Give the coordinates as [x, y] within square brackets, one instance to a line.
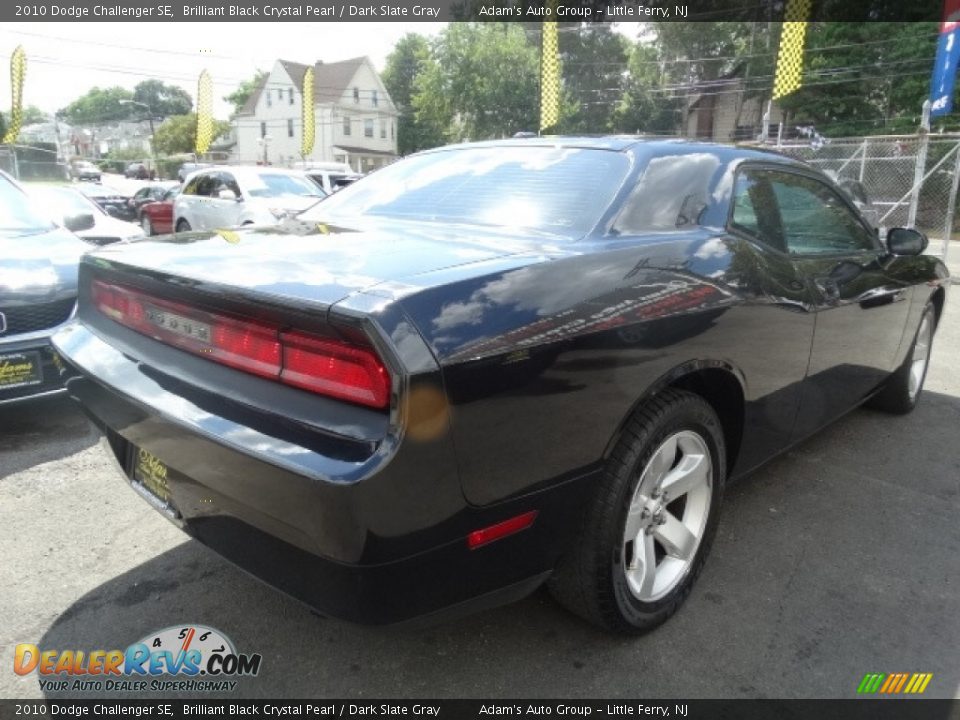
[64, 60]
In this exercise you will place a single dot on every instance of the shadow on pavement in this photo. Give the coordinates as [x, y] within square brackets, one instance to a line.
[25, 428]
[835, 560]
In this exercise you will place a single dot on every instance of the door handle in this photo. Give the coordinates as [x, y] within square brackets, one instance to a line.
[880, 296]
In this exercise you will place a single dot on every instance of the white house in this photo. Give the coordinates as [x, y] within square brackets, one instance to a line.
[355, 119]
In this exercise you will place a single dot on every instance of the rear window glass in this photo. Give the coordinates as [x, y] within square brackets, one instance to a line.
[562, 191]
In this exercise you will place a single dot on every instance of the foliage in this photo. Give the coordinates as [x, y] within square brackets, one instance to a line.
[163, 100]
[481, 83]
[239, 96]
[410, 58]
[99, 106]
[865, 78]
[592, 60]
[178, 134]
[32, 114]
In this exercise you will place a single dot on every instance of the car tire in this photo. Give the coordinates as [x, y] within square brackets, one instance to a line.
[634, 524]
[183, 225]
[902, 391]
[146, 225]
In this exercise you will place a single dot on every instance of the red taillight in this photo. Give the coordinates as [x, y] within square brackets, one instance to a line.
[322, 365]
[334, 368]
[484, 536]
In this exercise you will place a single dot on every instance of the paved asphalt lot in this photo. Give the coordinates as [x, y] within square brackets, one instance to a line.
[838, 559]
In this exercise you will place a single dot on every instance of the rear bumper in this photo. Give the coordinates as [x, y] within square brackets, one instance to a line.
[381, 540]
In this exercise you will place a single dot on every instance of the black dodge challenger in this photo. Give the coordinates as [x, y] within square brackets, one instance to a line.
[495, 365]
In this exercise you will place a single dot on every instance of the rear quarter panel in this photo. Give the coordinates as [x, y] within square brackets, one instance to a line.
[544, 363]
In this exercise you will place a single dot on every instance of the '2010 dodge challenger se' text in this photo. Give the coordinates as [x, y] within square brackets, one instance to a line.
[495, 365]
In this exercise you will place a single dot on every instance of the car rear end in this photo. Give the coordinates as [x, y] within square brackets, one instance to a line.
[304, 440]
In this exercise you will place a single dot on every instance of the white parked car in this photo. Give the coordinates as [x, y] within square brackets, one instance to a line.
[63, 201]
[224, 197]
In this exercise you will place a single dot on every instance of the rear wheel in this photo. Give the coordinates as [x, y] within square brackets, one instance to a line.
[183, 225]
[146, 225]
[902, 391]
[649, 527]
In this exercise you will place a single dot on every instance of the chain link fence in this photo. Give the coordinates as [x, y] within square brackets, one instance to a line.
[901, 180]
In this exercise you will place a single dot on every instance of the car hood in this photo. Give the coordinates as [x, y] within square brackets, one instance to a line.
[295, 203]
[321, 264]
[110, 228]
[38, 267]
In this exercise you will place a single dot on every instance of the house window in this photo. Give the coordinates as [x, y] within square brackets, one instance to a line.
[269, 100]
[383, 129]
[290, 128]
[291, 96]
[263, 129]
[368, 128]
[375, 99]
[346, 125]
[356, 94]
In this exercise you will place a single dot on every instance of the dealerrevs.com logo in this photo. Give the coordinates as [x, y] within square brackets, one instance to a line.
[179, 658]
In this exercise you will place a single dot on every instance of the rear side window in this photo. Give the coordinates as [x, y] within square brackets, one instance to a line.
[671, 195]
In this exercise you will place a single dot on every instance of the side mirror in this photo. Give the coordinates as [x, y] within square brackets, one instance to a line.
[76, 223]
[905, 241]
[227, 195]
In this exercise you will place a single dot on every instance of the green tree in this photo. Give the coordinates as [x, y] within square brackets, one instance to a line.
[98, 106]
[864, 78]
[178, 134]
[481, 82]
[163, 100]
[239, 96]
[592, 60]
[410, 57]
[33, 114]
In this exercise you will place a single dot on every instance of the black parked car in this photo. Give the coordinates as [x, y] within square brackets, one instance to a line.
[38, 292]
[113, 201]
[473, 372]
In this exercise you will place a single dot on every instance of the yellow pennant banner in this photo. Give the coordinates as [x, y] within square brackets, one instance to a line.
[789, 75]
[204, 113]
[549, 76]
[18, 71]
[306, 114]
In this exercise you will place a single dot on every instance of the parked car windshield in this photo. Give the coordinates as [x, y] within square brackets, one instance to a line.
[561, 191]
[19, 215]
[271, 185]
[64, 201]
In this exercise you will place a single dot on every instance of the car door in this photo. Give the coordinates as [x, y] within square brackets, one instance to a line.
[223, 212]
[206, 183]
[861, 308]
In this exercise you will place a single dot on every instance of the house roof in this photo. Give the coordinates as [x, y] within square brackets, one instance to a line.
[357, 150]
[330, 80]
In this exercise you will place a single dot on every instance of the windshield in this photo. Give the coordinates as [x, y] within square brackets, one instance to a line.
[562, 191]
[62, 201]
[273, 185]
[19, 215]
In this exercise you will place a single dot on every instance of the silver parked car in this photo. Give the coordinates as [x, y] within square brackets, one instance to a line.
[38, 291]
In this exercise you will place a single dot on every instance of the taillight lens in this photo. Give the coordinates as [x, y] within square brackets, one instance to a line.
[326, 366]
[334, 368]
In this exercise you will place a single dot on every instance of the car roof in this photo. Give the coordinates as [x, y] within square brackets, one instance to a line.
[639, 144]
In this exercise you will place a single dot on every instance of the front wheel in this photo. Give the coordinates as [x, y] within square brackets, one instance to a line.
[902, 391]
[183, 226]
[648, 529]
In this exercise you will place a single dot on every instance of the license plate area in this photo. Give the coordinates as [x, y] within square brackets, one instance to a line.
[20, 369]
[150, 478]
